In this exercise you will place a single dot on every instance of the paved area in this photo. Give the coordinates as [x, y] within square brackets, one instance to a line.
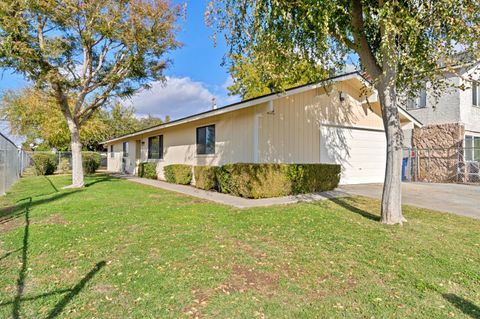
[453, 198]
[230, 200]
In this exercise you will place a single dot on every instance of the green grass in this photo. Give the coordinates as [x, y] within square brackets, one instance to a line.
[120, 250]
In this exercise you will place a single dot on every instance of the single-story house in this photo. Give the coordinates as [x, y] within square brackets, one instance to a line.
[333, 121]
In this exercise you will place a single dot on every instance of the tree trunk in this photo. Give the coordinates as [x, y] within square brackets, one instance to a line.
[391, 210]
[76, 146]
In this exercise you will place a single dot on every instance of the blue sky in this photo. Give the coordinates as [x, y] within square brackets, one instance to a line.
[193, 79]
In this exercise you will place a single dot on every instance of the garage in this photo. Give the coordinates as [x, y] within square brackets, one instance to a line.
[360, 151]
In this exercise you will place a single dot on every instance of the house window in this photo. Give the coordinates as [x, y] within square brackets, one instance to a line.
[472, 148]
[111, 151]
[206, 140]
[420, 101]
[155, 147]
[475, 94]
[125, 149]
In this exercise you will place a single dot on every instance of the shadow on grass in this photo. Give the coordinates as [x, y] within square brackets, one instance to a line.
[10, 213]
[23, 269]
[345, 203]
[51, 184]
[100, 179]
[464, 305]
[19, 299]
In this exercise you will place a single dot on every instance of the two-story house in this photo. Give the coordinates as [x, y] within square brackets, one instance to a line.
[451, 125]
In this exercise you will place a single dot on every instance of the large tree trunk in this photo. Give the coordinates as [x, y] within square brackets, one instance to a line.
[392, 188]
[76, 145]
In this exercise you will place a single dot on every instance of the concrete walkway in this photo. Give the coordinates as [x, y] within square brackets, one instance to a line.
[452, 198]
[230, 200]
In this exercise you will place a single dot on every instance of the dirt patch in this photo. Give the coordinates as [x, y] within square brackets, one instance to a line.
[10, 223]
[241, 280]
[103, 289]
[55, 219]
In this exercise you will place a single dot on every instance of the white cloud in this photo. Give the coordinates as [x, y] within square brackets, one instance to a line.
[179, 97]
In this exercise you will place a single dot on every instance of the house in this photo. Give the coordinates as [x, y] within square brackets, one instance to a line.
[327, 122]
[450, 137]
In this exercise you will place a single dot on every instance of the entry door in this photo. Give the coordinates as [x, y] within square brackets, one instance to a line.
[360, 152]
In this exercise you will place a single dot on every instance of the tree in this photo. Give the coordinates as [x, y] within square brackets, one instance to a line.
[93, 50]
[400, 44]
[254, 76]
[33, 114]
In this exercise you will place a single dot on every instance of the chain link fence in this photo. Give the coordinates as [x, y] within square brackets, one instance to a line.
[13, 162]
[64, 160]
[442, 165]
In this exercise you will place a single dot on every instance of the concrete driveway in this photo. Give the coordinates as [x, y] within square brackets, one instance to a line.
[453, 198]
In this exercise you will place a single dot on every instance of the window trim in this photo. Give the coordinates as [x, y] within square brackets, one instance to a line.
[125, 148]
[198, 149]
[112, 153]
[160, 147]
[471, 150]
[475, 94]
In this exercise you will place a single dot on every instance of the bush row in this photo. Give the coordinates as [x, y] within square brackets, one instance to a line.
[47, 163]
[254, 180]
[272, 180]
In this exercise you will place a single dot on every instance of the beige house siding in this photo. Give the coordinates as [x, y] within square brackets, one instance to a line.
[290, 134]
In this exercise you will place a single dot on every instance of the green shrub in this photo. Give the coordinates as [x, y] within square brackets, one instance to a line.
[64, 165]
[311, 178]
[91, 162]
[205, 177]
[45, 163]
[147, 170]
[272, 180]
[254, 180]
[178, 174]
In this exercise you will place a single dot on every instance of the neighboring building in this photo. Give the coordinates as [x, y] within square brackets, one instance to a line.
[327, 122]
[450, 139]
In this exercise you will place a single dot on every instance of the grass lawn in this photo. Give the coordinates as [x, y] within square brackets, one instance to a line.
[120, 250]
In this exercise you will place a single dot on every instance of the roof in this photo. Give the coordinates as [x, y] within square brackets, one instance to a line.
[252, 102]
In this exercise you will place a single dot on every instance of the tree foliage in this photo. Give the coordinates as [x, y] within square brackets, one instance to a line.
[33, 115]
[253, 75]
[87, 52]
[420, 39]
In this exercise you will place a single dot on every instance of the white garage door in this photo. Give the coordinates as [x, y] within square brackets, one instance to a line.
[360, 152]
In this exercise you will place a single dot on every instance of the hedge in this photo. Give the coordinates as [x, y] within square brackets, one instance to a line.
[273, 180]
[45, 163]
[178, 174]
[148, 170]
[205, 177]
[91, 162]
[311, 178]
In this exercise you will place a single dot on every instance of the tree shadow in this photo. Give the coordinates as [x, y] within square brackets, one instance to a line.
[23, 269]
[101, 179]
[10, 213]
[345, 204]
[19, 299]
[464, 305]
[51, 184]
[58, 308]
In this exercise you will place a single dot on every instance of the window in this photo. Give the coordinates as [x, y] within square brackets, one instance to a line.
[472, 148]
[111, 151]
[420, 101]
[475, 94]
[206, 140]
[125, 149]
[155, 147]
